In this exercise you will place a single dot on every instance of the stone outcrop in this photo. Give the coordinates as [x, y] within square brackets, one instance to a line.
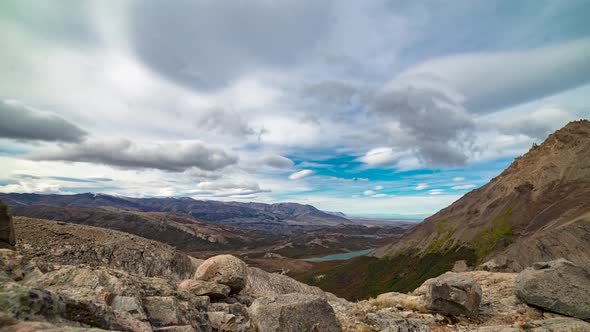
[453, 294]
[224, 269]
[7, 238]
[559, 286]
[205, 288]
[293, 313]
[71, 244]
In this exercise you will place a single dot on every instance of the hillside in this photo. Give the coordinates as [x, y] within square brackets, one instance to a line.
[535, 210]
[244, 214]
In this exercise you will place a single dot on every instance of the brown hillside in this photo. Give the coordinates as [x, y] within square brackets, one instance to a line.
[537, 209]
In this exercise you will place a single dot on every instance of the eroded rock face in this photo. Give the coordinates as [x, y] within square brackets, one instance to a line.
[205, 288]
[224, 269]
[7, 238]
[453, 294]
[293, 313]
[559, 286]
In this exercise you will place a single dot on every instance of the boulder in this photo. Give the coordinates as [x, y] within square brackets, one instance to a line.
[453, 294]
[7, 238]
[224, 269]
[558, 286]
[406, 301]
[205, 288]
[293, 312]
[162, 310]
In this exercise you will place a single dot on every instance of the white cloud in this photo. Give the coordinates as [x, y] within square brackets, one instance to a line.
[379, 195]
[301, 174]
[464, 186]
[422, 186]
[369, 193]
[436, 192]
[459, 178]
[378, 188]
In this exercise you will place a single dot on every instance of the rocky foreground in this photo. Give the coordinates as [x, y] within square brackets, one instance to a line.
[66, 277]
[226, 295]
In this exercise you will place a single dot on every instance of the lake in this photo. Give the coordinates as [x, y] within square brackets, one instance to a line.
[342, 256]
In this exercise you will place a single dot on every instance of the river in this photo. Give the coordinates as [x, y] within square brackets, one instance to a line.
[342, 256]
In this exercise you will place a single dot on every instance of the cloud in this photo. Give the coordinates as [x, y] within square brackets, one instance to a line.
[369, 193]
[422, 186]
[383, 156]
[464, 186]
[436, 191]
[459, 178]
[301, 174]
[492, 80]
[207, 44]
[225, 122]
[380, 195]
[378, 187]
[167, 156]
[275, 161]
[414, 103]
[536, 124]
[19, 121]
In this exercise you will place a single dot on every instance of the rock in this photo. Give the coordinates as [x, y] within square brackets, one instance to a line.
[181, 328]
[7, 238]
[224, 269]
[293, 313]
[559, 325]
[453, 294]
[557, 286]
[31, 304]
[205, 288]
[161, 310]
[129, 304]
[460, 266]
[221, 321]
[263, 284]
[406, 301]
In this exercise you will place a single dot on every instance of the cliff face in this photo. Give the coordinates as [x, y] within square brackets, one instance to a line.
[537, 209]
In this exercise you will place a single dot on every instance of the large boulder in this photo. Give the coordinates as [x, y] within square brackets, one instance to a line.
[7, 238]
[224, 269]
[293, 312]
[559, 286]
[453, 294]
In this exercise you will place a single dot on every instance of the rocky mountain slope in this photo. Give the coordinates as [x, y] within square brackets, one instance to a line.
[179, 230]
[254, 214]
[538, 209]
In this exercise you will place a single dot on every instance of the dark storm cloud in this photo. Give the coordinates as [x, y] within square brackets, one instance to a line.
[174, 157]
[20, 122]
[432, 120]
[207, 44]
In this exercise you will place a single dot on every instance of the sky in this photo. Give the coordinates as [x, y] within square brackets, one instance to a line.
[371, 108]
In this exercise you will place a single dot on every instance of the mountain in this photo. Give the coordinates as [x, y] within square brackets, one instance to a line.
[244, 214]
[538, 209]
[179, 230]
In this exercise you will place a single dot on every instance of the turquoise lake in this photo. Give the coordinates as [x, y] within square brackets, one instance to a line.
[342, 256]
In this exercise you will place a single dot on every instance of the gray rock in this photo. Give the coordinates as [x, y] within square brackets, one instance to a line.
[129, 304]
[7, 238]
[221, 321]
[205, 288]
[560, 325]
[558, 286]
[178, 328]
[161, 310]
[453, 294]
[293, 313]
[224, 269]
